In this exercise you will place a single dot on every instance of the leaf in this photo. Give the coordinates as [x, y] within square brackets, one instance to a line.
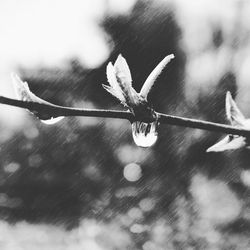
[114, 88]
[114, 93]
[22, 90]
[123, 77]
[122, 71]
[237, 119]
[230, 142]
[23, 93]
[120, 81]
[148, 84]
[233, 113]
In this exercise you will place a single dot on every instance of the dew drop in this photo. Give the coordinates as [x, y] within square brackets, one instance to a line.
[52, 120]
[145, 134]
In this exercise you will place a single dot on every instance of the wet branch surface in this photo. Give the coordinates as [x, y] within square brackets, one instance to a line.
[55, 111]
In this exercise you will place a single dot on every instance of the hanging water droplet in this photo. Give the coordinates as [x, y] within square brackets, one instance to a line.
[52, 120]
[144, 134]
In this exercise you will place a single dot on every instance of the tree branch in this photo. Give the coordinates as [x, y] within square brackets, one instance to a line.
[55, 111]
[205, 125]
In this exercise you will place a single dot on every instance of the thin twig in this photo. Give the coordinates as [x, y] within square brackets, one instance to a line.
[205, 125]
[55, 111]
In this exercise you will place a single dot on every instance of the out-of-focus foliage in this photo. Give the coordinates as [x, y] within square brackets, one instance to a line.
[86, 174]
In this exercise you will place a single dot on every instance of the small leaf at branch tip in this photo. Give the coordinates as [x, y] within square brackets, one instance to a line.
[233, 113]
[122, 71]
[229, 100]
[114, 88]
[228, 94]
[237, 119]
[120, 57]
[14, 76]
[114, 93]
[119, 60]
[171, 56]
[120, 81]
[151, 79]
[21, 88]
[24, 94]
[230, 142]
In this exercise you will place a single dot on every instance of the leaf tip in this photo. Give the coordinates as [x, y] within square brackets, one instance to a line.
[171, 56]
[16, 80]
[119, 60]
[212, 149]
[233, 113]
[14, 76]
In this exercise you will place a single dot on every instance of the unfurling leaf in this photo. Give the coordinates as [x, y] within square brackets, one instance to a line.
[120, 81]
[23, 93]
[237, 119]
[233, 113]
[230, 142]
[122, 71]
[148, 84]
[119, 78]
[114, 88]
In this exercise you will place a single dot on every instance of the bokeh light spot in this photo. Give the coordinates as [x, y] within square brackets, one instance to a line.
[132, 172]
[12, 167]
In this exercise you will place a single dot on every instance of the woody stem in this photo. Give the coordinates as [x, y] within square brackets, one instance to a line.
[55, 111]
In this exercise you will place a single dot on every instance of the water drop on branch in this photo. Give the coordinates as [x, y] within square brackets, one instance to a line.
[145, 134]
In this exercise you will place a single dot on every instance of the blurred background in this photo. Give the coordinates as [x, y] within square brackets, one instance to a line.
[83, 183]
